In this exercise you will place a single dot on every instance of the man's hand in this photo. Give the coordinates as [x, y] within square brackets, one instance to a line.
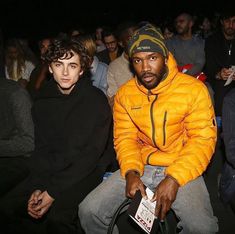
[165, 195]
[39, 203]
[225, 73]
[33, 202]
[134, 183]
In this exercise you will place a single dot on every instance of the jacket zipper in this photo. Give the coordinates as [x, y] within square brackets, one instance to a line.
[164, 128]
[152, 121]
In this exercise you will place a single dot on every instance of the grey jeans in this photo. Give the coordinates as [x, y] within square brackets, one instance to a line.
[192, 205]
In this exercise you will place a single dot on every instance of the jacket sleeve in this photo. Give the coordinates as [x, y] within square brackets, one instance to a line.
[126, 140]
[228, 122]
[21, 142]
[82, 161]
[201, 132]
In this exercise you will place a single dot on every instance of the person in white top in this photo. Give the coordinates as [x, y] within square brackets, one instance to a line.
[119, 70]
[17, 68]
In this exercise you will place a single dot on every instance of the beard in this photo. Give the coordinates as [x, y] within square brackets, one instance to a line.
[229, 32]
[156, 78]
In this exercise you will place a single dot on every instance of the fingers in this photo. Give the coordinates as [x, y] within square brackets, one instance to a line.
[39, 205]
[133, 183]
[32, 212]
[137, 186]
[43, 210]
[162, 207]
[33, 215]
[142, 190]
[154, 198]
[32, 203]
[34, 196]
[158, 210]
[38, 210]
[131, 192]
[45, 201]
[163, 211]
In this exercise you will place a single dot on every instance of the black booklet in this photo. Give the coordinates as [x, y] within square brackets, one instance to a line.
[143, 212]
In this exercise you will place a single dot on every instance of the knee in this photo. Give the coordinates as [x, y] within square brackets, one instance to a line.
[86, 209]
[59, 224]
[202, 227]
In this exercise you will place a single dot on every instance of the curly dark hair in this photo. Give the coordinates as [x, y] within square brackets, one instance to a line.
[64, 47]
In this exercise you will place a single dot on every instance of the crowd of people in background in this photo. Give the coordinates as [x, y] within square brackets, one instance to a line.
[42, 176]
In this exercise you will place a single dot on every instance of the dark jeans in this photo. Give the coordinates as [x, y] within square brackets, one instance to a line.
[232, 204]
[62, 218]
[12, 172]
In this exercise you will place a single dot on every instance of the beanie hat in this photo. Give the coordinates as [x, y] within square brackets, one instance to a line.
[147, 39]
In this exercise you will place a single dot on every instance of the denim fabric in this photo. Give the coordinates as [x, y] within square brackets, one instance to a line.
[192, 205]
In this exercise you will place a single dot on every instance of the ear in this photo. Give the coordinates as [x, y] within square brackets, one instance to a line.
[50, 70]
[81, 72]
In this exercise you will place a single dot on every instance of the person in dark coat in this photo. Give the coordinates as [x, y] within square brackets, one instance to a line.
[220, 58]
[72, 124]
[113, 50]
[227, 181]
[16, 134]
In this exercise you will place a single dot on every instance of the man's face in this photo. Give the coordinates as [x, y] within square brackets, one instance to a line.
[44, 46]
[228, 26]
[126, 37]
[66, 73]
[183, 24]
[111, 43]
[149, 67]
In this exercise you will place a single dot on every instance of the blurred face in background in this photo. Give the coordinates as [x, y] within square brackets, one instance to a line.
[44, 44]
[206, 24]
[98, 33]
[183, 24]
[228, 26]
[111, 43]
[167, 33]
[125, 37]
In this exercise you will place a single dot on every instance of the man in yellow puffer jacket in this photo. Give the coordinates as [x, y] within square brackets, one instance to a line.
[164, 136]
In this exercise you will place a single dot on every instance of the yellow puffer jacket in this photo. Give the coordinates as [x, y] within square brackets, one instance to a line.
[173, 126]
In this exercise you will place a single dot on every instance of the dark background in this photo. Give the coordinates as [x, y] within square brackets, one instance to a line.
[40, 17]
[37, 19]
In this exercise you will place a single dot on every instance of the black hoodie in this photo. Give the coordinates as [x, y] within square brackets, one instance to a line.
[71, 133]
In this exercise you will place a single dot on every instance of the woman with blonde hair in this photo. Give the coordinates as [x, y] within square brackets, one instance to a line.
[17, 68]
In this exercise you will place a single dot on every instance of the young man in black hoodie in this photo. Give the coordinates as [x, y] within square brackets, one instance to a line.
[72, 124]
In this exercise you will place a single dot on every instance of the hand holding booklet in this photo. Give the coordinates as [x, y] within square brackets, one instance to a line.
[143, 212]
[230, 78]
